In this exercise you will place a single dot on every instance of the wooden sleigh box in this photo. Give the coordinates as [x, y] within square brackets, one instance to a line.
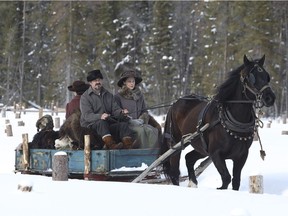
[121, 164]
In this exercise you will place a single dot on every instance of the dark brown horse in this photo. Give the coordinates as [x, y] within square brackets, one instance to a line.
[232, 123]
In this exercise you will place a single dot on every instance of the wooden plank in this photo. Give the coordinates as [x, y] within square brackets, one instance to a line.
[132, 157]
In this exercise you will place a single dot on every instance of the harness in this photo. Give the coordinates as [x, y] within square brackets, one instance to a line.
[225, 117]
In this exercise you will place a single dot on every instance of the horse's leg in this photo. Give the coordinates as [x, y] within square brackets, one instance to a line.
[174, 171]
[220, 165]
[237, 168]
[191, 159]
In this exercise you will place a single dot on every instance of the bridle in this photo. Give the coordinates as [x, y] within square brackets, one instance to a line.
[248, 83]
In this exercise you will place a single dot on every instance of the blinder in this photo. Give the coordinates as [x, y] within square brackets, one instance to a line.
[252, 79]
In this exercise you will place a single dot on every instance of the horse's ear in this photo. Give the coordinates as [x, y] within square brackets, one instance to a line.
[246, 60]
[261, 61]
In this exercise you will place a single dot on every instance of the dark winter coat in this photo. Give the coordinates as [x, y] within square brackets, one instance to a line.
[92, 106]
[132, 100]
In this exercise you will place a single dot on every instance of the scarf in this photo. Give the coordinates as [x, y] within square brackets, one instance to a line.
[127, 93]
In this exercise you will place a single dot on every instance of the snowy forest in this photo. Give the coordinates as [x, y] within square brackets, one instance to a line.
[180, 47]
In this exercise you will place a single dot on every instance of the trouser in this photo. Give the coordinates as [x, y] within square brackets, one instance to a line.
[118, 130]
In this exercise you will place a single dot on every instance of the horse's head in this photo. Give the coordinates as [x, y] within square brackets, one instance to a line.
[256, 80]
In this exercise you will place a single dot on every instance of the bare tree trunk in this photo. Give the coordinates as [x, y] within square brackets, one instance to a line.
[21, 69]
[68, 71]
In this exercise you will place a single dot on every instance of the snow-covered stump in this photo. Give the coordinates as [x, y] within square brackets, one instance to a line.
[87, 157]
[21, 123]
[3, 112]
[60, 166]
[284, 118]
[256, 184]
[9, 130]
[25, 186]
[40, 112]
[269, 124]
[284, 132]
[17, 115]
[57, 122]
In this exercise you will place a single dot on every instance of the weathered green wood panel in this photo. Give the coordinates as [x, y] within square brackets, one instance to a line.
[102, 161]
[132, 157]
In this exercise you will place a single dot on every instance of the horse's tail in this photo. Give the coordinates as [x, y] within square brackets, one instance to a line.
[170, 164]
[166, 142]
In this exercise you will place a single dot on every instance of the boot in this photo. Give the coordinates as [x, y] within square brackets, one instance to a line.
[109, 143]
[128, 142]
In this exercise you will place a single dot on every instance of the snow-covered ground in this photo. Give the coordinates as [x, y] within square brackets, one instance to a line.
[80, 197]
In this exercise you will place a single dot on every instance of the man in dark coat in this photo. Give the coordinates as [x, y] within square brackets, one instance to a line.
[97, 107]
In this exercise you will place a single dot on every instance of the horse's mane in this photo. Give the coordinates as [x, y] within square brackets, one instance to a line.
[229, 86]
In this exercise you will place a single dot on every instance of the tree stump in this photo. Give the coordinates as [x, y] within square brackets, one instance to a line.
[7, 121]
[60, 166]
[3, 111]
[284, 132]
[87, 156]
[269, 124]
[17, 115]
[256, 184]
[9, 130]
[21, 123]
[284, 118]
[25, 186]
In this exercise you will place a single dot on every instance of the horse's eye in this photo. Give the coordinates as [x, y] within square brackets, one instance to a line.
[259, 69]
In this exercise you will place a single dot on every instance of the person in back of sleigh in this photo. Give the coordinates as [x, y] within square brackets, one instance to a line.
[131, 100]
[78, 87]
[97, 106]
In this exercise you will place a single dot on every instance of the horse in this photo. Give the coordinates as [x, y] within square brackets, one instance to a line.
[232, 121]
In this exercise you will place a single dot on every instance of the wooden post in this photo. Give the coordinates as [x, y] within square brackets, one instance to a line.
[7, 121]
[3, 112]
[25, 148]
[9, 130]
[87, 156]
[57, 122]
[256, 184]
[21, 123]
[284, 132]
[17, 115]
[60, 166]
[284, 118]
[269, 124]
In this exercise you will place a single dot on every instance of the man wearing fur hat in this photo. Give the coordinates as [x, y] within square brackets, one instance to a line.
[78, 87]
[97, 104]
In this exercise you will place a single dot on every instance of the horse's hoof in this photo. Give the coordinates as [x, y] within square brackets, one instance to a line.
[222, 188]
[192, 184]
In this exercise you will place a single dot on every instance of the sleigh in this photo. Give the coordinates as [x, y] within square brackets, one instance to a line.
[118, 165]
[136, 165]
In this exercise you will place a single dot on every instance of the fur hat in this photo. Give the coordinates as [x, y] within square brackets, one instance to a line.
[45, 123]
[95, 74]
[79, 87]
[130, 73]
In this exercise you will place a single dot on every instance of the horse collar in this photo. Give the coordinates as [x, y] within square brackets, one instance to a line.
[232, 126]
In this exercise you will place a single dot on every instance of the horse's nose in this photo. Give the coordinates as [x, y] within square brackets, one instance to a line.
[269, 99]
